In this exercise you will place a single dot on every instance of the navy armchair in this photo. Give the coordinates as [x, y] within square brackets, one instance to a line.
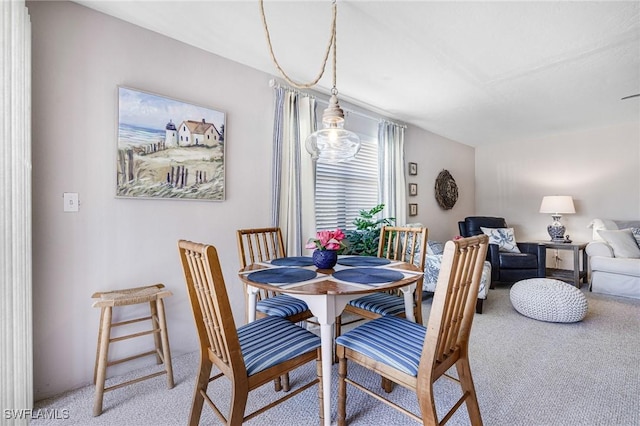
[507, 267]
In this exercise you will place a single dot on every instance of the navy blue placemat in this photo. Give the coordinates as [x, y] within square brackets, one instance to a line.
[281, 275]
[363, 261]
[293, 261]
[368, 275]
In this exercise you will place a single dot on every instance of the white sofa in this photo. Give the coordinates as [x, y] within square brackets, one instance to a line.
[619, 276]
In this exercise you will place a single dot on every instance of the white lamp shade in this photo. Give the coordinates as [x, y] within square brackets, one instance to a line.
[557, 204]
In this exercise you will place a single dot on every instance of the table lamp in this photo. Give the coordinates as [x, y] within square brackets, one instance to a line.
[557, 205]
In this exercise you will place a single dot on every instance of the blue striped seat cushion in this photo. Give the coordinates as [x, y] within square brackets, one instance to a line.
[272, 340]
[281, 305]
[394, 341]
[380, 303]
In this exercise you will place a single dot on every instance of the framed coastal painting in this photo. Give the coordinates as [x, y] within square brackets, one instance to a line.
[169, 148]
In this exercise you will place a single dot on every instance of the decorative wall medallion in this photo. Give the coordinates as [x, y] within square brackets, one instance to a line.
[446, 190]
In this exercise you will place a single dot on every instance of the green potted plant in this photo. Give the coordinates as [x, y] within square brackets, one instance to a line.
[364, 239]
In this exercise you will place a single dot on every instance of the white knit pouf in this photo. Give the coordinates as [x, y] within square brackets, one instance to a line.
[549, 300]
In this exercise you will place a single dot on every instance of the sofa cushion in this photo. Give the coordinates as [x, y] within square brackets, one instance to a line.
[621, 266]
[503, 237]
[518, 261]
[623, 243]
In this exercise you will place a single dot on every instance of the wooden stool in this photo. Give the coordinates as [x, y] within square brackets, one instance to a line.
[131, 296]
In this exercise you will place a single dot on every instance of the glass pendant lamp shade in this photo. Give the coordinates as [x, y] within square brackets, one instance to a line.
[333, 143]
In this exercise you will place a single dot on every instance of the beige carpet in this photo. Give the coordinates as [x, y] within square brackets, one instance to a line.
[526, 372]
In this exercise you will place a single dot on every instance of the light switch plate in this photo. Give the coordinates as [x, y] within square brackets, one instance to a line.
[71, 202]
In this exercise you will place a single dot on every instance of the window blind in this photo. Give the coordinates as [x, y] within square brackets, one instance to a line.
[343, 189]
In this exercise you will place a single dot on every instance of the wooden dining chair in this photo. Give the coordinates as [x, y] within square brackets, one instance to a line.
[262, 245]
[415, 356]
[407, 244]
[249, 356]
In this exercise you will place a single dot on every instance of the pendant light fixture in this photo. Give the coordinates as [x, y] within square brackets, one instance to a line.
[333, 143]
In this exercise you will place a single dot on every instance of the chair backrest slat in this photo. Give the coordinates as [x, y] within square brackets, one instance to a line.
[453, 304]
[259, 245]
[210, 304]
[406, 244]
[196, 268]
[403, 243]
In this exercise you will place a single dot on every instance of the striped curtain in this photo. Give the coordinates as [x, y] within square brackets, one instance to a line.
[293, 170]
[391, 165]
[16, 332]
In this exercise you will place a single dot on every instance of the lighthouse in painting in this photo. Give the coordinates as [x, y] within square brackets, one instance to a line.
[171, 135]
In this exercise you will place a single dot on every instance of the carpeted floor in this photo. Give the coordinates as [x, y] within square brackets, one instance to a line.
[526, 372]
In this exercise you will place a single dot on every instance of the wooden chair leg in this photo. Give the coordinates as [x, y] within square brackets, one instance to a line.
[342, 389]
[239, 396]
[338, 326]
[427, 404]
[466, 381]
[285, 382]
[164, 338]
[337, 333]
[386, 384]
[418, 309]
[103, 345]
[277, 384]
[202, 383]
[155, 323]
[95, 367]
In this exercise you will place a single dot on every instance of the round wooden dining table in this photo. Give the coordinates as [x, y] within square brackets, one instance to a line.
[327, 292]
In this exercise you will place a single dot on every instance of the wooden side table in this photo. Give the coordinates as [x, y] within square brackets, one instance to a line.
[577, 275]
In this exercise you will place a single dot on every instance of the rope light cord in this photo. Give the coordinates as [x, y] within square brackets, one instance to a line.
[332, 44]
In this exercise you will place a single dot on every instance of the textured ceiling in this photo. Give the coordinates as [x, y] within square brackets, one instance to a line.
[475, 72]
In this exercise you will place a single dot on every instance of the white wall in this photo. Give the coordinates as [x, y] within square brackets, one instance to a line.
[434, 153]
[79, 58]
[600, 168]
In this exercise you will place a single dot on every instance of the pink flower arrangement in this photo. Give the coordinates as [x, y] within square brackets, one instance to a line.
[326, 240]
